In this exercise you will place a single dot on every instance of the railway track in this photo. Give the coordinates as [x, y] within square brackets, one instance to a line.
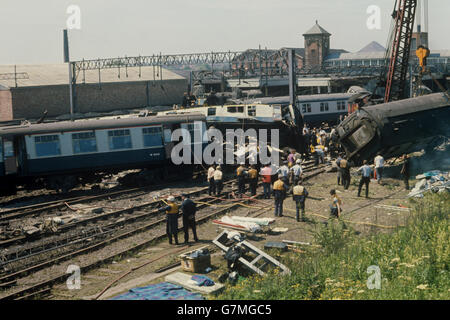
[110, 234]
[34, 209]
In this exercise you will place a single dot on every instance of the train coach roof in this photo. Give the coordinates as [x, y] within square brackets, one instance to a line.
[412, 105]
[302, 98]
[95, 124]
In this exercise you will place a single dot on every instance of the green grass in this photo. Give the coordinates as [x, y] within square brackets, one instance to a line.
[413, 260]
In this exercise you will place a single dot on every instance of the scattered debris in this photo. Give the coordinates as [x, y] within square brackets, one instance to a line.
[185, 280]
[434, 181]
[258, 263]
[280, 230]
[160, 291]
[197, 260]
[244, 223]
[297, 242]
[276, 245]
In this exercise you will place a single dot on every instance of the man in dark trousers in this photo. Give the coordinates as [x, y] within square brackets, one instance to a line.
[365, 178]
[339, 171]
[240, 175]
[189, 208]
[171, 211]
[253, 179]
[405, 171]
[299, 194]
[345, 170]
[279, 193]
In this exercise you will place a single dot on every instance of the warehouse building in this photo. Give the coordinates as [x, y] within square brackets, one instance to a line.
[27, 91]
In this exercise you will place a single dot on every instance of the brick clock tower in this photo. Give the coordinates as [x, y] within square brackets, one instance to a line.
[317, 45]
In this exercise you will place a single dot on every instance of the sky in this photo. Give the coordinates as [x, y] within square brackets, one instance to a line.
[31, 30]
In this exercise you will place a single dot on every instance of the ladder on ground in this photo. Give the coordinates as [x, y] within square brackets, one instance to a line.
[261, 260]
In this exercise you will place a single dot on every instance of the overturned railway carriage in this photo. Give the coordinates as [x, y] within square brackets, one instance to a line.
[394, 128]
[251, 116]
[63, 154]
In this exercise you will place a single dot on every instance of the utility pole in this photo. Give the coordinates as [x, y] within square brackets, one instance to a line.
[67, 60]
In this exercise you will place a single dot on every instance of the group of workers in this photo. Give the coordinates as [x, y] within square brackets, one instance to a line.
[288, 182]
[172, 210]
[343, 169]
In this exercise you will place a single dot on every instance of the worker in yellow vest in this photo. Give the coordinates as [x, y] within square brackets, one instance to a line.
[240, 175]
[279, 193]
[299, 196]
[314, 155]
[172, 213]
[253, 179]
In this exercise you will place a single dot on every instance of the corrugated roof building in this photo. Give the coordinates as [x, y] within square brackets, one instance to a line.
[26, 91]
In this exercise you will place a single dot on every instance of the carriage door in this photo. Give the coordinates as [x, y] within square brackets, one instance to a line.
[9, 156]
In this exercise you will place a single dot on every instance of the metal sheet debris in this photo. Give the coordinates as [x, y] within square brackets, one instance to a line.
[434, 181]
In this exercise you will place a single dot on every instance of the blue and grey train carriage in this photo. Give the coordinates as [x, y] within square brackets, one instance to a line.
[74, 152]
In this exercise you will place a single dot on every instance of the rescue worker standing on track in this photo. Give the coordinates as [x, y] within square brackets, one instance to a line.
[365, 178]
[266, 175]
[296, 172]
[379, 165]
[240, 174]
[253, 179]
[336, 206]
[189, 209]
[284, 172]
[405, 171]
[279, 193]
[299, 196]
[212, 185]
[345, 169]
[218, 180]
[339, 171]
[171, 219]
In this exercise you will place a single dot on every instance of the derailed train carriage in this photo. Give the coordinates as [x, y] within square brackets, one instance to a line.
[63, 154]
[394, 128]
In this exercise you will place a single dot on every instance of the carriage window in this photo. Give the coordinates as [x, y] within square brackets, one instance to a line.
[251, 110]
[47, 146]
[306, 107]
[323, 106]
[84, 142]
[195, 131]
[119, 139]
[235, 109]
[8, 146]
[1, 151]
[341, 105]
[152, 137]
[211, 111]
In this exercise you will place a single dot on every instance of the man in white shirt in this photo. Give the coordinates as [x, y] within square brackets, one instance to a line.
[218, 180]
[212, 185]
[379, 165]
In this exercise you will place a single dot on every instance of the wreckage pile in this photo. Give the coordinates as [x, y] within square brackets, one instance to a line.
[432, 181]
